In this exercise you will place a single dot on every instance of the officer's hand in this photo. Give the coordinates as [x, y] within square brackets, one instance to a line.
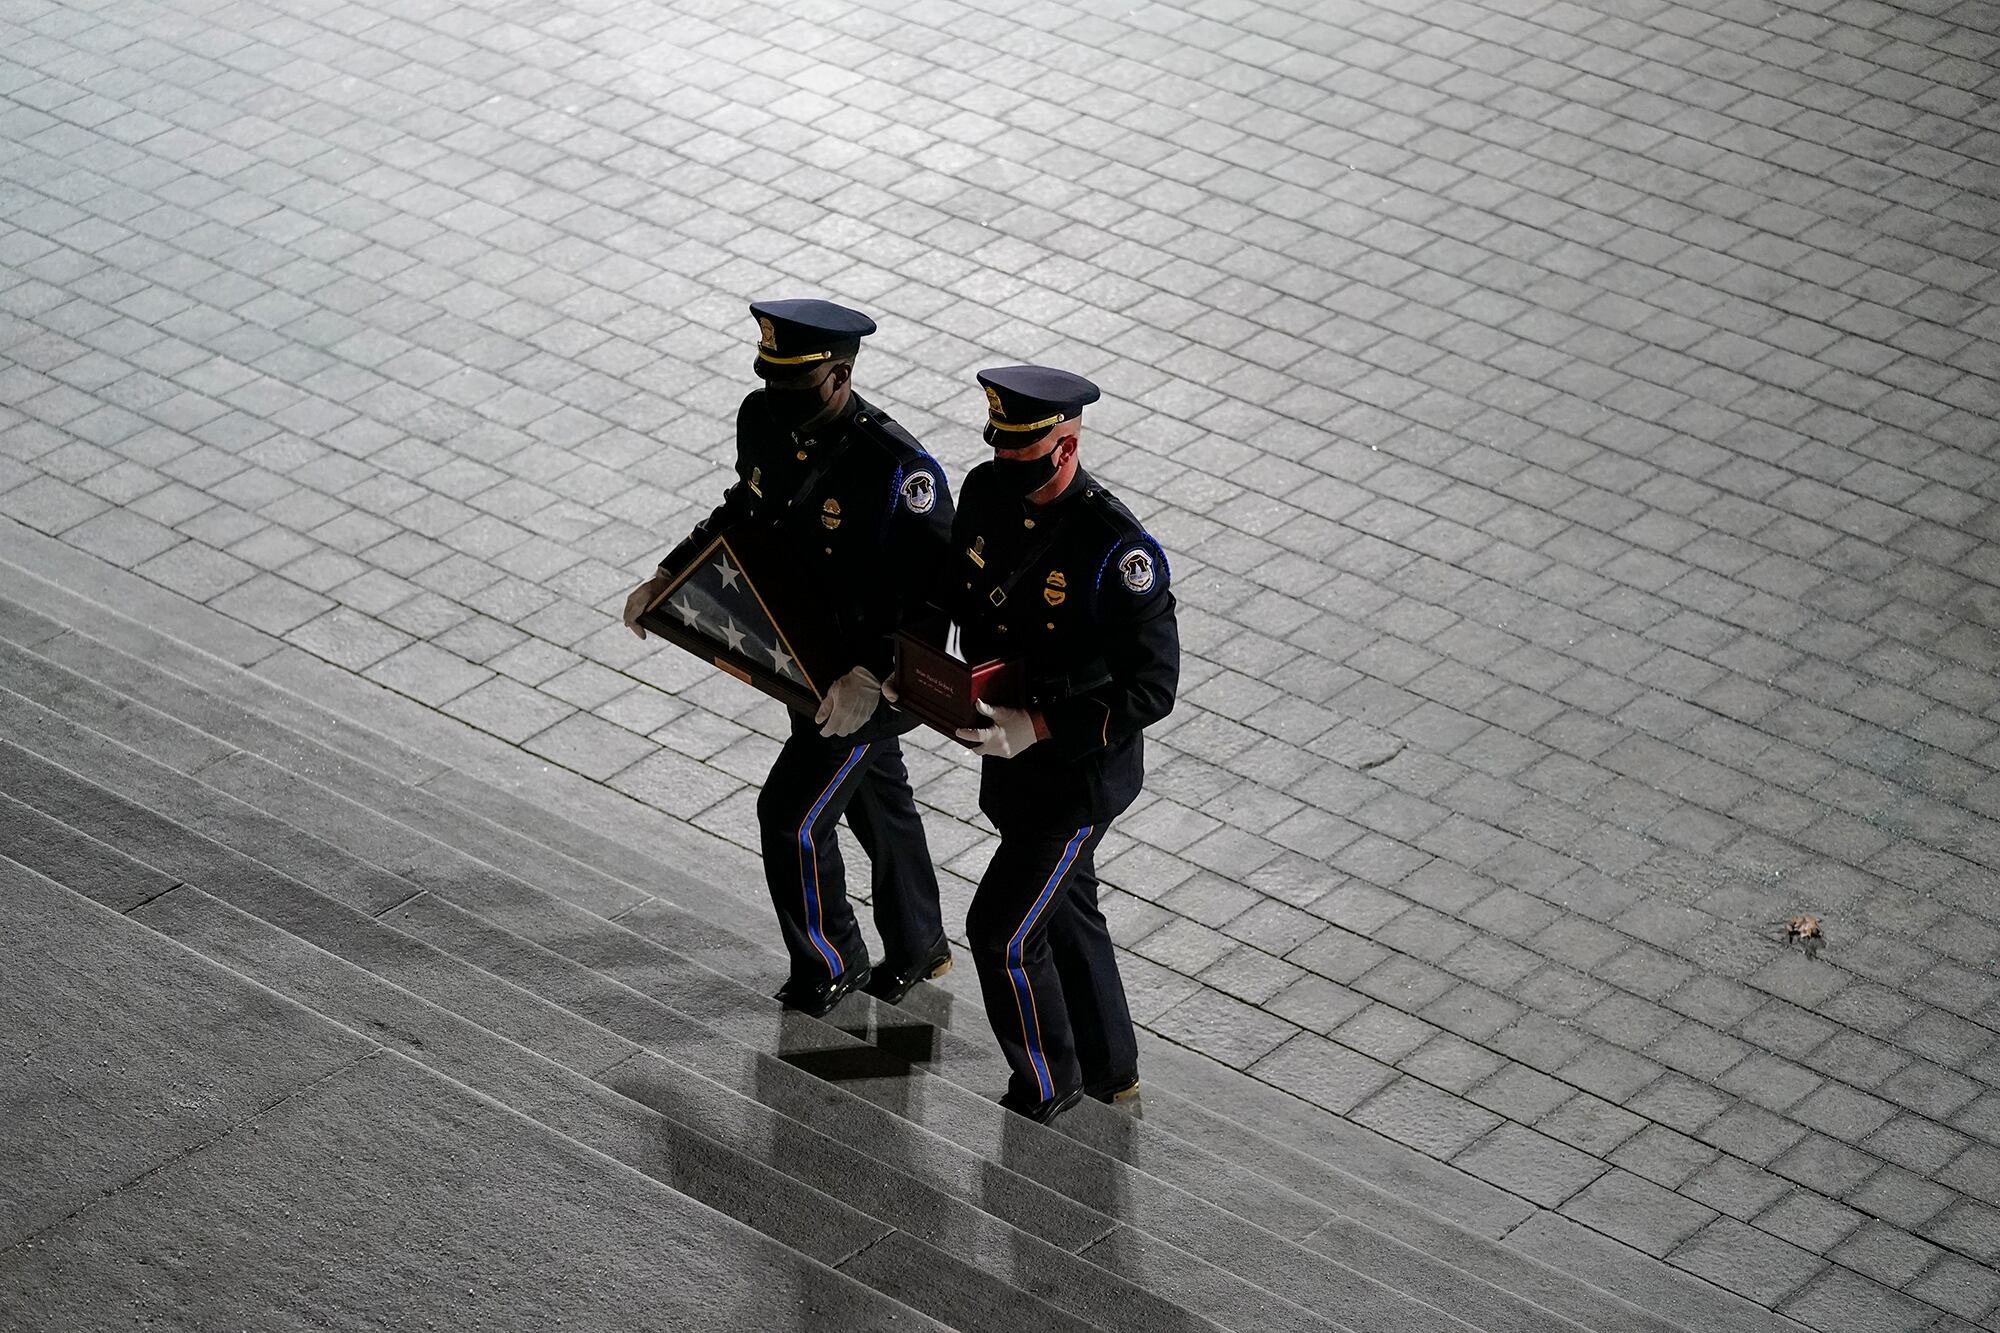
[849, 703]
[638, 599]
[1013, 731]
[889, 690]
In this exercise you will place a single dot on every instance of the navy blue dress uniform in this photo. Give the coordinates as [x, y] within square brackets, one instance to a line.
[1075, 588]
[869, 513]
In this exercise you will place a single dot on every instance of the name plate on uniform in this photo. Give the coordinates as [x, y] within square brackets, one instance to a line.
[942, 689]
[740, 605]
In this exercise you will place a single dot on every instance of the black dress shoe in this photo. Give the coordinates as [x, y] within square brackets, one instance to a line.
[819, 999]
[1043, 1112]
[891, 982]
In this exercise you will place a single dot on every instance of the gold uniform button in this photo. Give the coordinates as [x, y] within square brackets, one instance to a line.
[829, 550]
[1027, 522]
[1003, 629]
[802, 455]
[1050, 625]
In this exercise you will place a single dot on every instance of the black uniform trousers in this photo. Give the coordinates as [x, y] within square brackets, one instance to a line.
[1046, 967]
[813, 782]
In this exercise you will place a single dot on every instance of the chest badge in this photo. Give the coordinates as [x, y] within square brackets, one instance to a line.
[829, 513]
[976, 552]
[1052, 588]
[757, 482]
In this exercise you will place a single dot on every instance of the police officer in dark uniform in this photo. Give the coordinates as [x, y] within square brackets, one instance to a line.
[1047, 567]
[869, 513]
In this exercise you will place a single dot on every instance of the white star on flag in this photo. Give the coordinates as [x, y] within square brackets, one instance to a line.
[735, 637]
[729, 572]
[686, 607]
[781, 660]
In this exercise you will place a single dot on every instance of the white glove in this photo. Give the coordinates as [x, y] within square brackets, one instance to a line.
[889, 690]
[639, 599]
[1013, 731]
[849, 703]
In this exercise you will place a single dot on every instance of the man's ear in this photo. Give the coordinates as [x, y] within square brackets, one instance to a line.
[842, 372]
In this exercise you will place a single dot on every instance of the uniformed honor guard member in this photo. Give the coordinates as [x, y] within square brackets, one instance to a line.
[847, 485]
[1047, 567]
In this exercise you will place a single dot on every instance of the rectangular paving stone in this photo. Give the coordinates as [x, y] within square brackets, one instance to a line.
[1323, 1073]
[1824, 1164]
[1663, 1156]
[1745, 1260]
[1223, 1028]
[1888, 1254]
[1531, 1165]
[1963, 1286]
[427, 674]
[1424, 1117]
[1841, 1299]
[1969, 1227]
[1809, 1220]
[1637, 1212]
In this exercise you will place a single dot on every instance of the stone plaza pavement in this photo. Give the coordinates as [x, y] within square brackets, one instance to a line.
[1572, 425]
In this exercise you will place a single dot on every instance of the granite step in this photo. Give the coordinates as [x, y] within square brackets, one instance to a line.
[191, 1148]
[780, 1078]
[748, 1157]
[1379, 1229]
[969, 1263]
[376, 728]
[1303, 1275]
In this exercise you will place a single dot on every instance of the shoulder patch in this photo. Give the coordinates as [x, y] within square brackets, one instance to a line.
[919, 492]
[1135, 569]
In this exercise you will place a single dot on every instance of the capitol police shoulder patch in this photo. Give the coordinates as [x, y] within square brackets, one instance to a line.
[920, 492]
[1135, 567]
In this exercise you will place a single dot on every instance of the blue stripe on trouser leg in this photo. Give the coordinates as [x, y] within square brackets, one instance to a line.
[809, 866]
[1024, 994]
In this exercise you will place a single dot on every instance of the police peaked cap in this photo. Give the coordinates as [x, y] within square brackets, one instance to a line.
[795, 336]
[1024, 401]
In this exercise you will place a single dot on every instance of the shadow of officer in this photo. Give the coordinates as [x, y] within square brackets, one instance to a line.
[868, 513]
[1047, 567]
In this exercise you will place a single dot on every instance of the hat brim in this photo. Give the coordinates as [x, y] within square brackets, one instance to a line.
[1017, 439]
[781, 370]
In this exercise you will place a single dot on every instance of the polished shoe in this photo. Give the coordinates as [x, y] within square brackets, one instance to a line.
[818, 999]
[891, 983]
[1117, 1093]
[1043, 1112]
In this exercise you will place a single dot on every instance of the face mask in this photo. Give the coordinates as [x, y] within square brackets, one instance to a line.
[1024, 476]
[793, 408]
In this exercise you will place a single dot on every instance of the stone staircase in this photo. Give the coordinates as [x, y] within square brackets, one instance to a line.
[308, 1019]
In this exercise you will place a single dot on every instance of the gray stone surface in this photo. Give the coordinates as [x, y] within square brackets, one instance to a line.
[118, 1069]
[385, 1184]
[1573, 430]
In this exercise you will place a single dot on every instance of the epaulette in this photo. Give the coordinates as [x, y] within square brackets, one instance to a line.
[883, 431]
[1120, 522]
